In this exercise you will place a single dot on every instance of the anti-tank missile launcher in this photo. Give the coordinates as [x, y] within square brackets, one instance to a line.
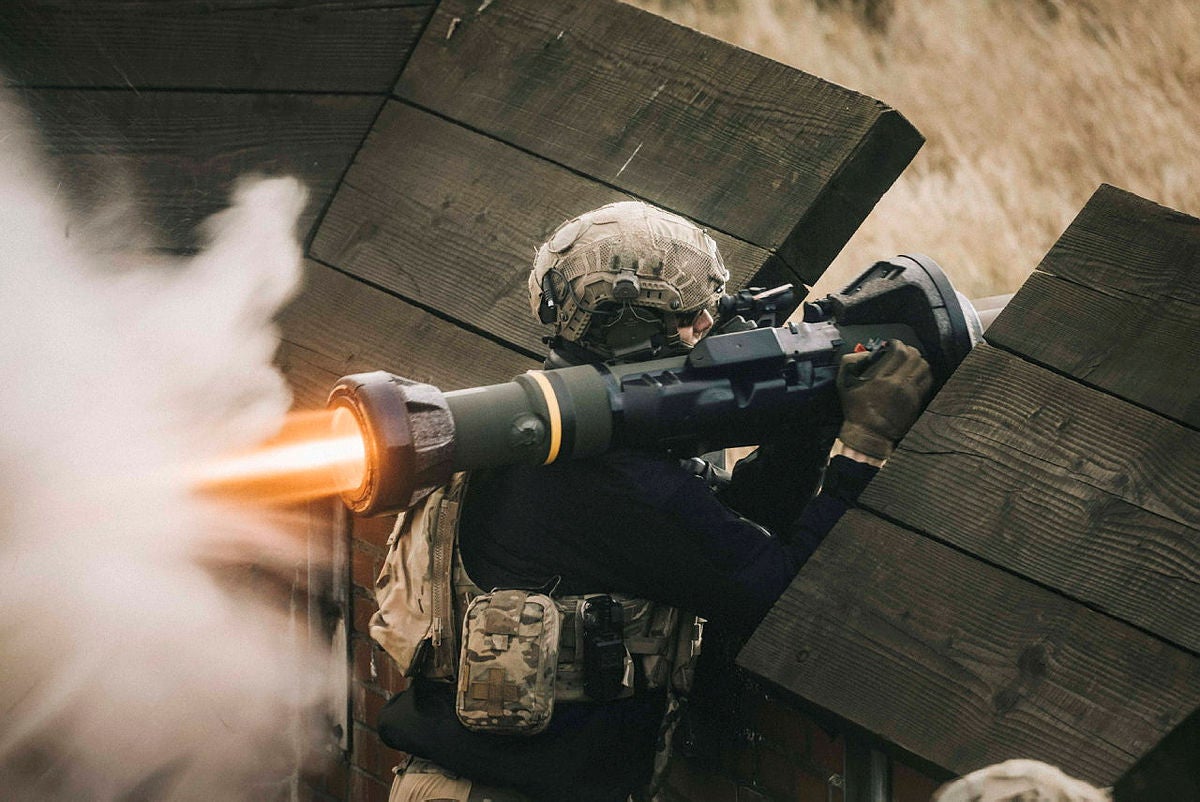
[734, 388]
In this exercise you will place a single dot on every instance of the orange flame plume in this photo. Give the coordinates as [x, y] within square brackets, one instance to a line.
[315, 454]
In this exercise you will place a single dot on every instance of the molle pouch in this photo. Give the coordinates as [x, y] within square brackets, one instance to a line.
[508, 663]
[607, 667]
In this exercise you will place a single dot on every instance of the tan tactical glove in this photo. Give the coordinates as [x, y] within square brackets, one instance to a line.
[882, 394]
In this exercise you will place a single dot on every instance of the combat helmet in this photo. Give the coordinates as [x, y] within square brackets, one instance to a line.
[618, 281]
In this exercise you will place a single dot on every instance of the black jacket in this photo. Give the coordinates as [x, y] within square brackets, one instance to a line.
[631, 522]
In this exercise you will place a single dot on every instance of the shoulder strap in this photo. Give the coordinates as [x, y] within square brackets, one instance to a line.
[403, 622]
[444, 635]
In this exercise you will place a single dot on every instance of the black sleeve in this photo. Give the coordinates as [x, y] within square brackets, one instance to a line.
[774, 483]
[727, 568]
[845, 480]
[641, 525]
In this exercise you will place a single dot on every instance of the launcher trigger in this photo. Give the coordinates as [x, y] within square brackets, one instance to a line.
[875, 347]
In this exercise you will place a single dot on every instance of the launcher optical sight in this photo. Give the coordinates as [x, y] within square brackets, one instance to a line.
[734, 388]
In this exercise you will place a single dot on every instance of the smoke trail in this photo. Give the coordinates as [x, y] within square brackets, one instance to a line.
[126, 671]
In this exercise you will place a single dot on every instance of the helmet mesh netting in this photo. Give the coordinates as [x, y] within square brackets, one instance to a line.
[689, 270]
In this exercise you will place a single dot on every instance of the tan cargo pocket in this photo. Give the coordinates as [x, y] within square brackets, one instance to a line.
[508, 662]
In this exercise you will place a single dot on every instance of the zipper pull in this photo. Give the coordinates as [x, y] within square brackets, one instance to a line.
[437, 632]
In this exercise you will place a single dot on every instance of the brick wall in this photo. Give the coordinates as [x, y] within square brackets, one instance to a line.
[365, 775]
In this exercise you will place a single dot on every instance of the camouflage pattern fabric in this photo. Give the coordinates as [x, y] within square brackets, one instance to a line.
[509, 662]
[1019, 781]
[402, 590]
[415, 623]
[425, 781]
[627, 254]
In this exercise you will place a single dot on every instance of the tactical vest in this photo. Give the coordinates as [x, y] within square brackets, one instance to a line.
[423, 591]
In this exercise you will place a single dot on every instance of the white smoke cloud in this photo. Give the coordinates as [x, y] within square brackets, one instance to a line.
[126, 671]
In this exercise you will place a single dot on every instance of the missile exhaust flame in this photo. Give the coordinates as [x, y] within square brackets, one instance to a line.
[316, 454]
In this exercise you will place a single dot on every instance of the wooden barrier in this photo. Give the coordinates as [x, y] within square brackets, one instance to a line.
[231, 45]
[174, 156]
[506, 119]
[320, 345]
[513, 117]
[770, 155]
[1023, 579]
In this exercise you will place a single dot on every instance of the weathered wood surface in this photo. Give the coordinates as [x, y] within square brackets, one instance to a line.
[293, 45]
[339, 325]
[450, 218]
[965, 664]
[1116, 304]
[736, 141]
[1059, 483]
[175, 155]
[1035, 590]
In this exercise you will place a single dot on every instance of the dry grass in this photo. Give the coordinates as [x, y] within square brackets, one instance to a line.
[1026, 105]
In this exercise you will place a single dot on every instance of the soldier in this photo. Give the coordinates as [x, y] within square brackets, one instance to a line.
[573, 661]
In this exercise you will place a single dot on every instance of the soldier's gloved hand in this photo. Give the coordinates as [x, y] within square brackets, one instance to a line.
[882, 394]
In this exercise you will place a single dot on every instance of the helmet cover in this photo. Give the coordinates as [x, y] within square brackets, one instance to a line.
[620, 279]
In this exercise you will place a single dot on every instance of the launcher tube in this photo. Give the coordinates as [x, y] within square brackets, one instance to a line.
[731, 390]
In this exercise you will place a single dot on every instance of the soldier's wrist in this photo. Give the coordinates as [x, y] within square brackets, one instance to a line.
[840, 449]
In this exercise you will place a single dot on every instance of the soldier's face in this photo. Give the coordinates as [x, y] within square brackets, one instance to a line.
[700, 325]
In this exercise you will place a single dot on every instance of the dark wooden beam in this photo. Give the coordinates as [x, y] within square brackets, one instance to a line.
[738, 142]
[1027, 581]
[1059, 483]
[300, 45]
[338, 325]
[173, 156]
[1116, 303]
[965, 664]
[449, 218]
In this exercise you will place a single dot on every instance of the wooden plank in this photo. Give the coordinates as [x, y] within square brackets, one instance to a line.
[733, 140]
[1136, 347]
[296, 45]
[450, 218]
[1122, 242]
[174, 155]
[1116, 304]
[308, 380]
[964, 664]
[338, 325]
[1067, 486]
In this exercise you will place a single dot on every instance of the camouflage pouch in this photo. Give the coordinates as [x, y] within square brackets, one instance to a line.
[508, 663]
